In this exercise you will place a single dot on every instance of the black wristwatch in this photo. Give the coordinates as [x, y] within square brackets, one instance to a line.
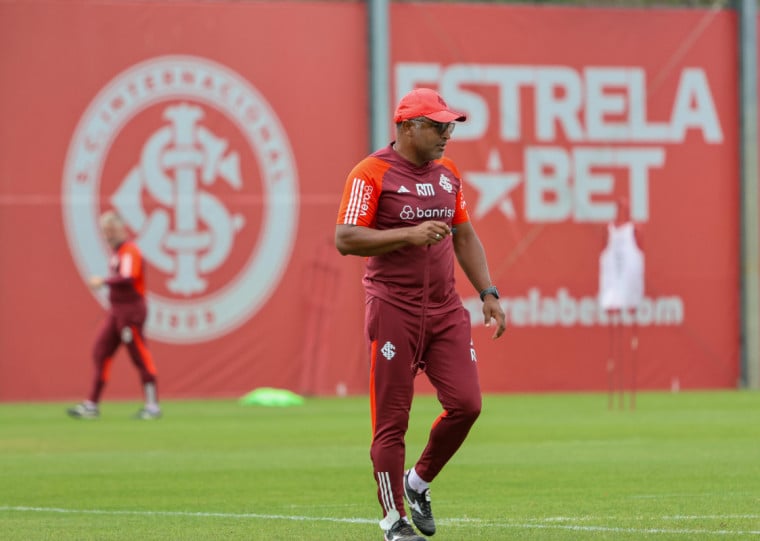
[490, 290]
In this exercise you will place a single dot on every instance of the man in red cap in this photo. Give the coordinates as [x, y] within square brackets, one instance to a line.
[404, 210]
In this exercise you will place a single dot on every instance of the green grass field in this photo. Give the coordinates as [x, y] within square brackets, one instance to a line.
[535, 467]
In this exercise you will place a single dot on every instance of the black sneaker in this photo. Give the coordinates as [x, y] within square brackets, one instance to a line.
[85, 410]
[419, 504]
[402, 531]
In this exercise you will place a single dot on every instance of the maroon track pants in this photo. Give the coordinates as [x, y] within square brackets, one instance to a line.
[123, 325]
[400, 343]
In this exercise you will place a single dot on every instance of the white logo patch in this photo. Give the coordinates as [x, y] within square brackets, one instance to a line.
[403, 189]
[126, 335]
[407, 213]
[445, 183]
[388, 350]
[425, 189]
[196, 119]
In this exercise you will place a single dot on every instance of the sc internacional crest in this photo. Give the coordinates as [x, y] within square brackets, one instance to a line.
[189, 232]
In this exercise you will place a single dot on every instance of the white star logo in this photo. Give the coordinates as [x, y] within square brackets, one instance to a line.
[494, 187]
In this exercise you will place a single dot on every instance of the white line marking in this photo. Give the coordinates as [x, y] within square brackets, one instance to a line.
[678, 531]
[705, 495]
[708, 517]
[539, 523]
[184, 514]
[665, 517]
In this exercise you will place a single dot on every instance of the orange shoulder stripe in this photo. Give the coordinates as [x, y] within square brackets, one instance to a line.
[361, 192]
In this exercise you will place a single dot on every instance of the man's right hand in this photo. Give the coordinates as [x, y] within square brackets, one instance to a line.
[430, 232]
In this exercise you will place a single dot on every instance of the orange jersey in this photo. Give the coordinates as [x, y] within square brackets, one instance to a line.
[386, 191]
[127, 279]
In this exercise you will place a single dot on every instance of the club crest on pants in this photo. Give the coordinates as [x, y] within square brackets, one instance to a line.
[388, 350]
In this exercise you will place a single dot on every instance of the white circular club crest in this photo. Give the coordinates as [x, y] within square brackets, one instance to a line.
[166, 192]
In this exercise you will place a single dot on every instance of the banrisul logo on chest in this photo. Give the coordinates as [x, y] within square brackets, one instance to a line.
[416, 213]
[198, 165]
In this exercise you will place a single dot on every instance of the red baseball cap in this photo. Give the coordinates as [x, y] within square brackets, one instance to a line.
[428, 103]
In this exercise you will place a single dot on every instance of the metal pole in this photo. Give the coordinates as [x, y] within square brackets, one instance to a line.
[379, 39]
[750, 292]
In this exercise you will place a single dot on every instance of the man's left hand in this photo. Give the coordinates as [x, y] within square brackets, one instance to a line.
[492, 311]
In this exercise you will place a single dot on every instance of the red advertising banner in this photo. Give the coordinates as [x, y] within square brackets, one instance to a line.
[571, 110]
[223, 133]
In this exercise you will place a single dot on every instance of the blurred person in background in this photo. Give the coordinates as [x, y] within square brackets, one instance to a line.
[403, 209]
[124, 323]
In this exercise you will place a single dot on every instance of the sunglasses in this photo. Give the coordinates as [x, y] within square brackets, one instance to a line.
[440, 127]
